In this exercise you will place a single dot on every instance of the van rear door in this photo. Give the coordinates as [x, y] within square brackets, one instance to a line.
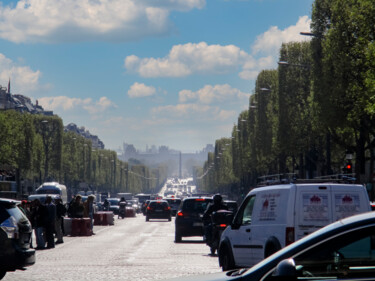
[313, 208]
[320, 204]
[348, 200]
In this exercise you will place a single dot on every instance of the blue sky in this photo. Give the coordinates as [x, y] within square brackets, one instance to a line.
[145, 72]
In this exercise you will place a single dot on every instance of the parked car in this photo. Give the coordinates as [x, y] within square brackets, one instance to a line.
[158, 209]
[343, 250]
[174, 203]
[15, 238]
[188, 220]
[273, 217]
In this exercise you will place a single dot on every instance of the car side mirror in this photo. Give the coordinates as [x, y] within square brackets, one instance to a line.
[285, 270]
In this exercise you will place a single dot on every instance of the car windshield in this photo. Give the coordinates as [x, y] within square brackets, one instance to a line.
[48, 191]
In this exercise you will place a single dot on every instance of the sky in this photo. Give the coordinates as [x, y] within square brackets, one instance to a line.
[145, 72]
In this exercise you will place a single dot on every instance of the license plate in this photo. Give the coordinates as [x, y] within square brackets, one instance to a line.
[158, 211]
[198, 224]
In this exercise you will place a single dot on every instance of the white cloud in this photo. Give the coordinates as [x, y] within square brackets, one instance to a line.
[270, 41]
[193, 112]
[188, 59]
[88, 20]
[209, 94]
[139, 90]
[23, 79]
[66, 103]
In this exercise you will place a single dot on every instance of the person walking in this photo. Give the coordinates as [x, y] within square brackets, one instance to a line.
[76, 208]
[60, 214]
[50, 222]
[89, 211]
[39, 215]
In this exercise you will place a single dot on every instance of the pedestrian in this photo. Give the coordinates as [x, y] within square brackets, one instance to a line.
[76, 207]
[106, 205]
[39, 215]
[89, 210]
[60, 214]
[50, 222]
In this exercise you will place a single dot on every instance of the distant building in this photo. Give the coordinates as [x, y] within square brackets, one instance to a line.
[19, 102]
[96, 142]
[173, 158]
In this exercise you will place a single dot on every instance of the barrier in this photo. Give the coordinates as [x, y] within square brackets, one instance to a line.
[130, 212]
[104, 218]
[81, 227]
[67, 226]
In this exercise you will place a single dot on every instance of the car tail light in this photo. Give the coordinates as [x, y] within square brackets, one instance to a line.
[180, 214]
[9, 226]
[149, 208]
[200, 199]
[289, 235]
[223, 225]
[167, 208]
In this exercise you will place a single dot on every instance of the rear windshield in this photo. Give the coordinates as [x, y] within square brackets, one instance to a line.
[196, 205]
[6, 212]
[155, 203]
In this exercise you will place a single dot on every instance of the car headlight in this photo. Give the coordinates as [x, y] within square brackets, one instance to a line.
[9, 226]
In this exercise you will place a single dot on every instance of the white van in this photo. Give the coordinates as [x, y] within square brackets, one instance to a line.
[53, 188]
[272, 217]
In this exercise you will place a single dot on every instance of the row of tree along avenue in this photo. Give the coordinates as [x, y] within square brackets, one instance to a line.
[313, 116]
[36, 149]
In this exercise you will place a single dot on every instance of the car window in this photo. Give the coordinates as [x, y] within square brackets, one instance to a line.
[245, 213]
[351, 255]
[196, 205]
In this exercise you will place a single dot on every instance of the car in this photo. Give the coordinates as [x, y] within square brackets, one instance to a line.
[15, 238]
[174, 203]
[232, 205]
[188, 220]
[144, 206]
[272, 217]
[343, 250]
[158, 209]
[114, 205]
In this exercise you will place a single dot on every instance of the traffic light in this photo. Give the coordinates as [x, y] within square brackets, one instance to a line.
[348, 168]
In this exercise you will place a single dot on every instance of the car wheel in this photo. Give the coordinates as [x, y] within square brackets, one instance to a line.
[2, 274]
[212, 250]
[226, 259]
[147, 218]
[177, 238]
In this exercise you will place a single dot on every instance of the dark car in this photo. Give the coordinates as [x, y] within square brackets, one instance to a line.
[175, 204]
[343, 250]
[15, 238]
[232, 206]
[189, 217]
[114, 205]
[144, 206]
[158, 209]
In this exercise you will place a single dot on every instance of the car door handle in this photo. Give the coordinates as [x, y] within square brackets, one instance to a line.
[248, 230]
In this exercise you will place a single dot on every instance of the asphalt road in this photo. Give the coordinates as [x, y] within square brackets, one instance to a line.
[132, 249]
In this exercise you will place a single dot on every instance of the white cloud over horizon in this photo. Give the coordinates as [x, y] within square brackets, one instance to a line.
[52, 21]
[209, 94]
[23, 79]
[201, 58]
[270, 41]
[66, 103]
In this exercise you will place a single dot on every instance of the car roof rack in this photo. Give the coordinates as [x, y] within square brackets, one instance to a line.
[289, 178]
